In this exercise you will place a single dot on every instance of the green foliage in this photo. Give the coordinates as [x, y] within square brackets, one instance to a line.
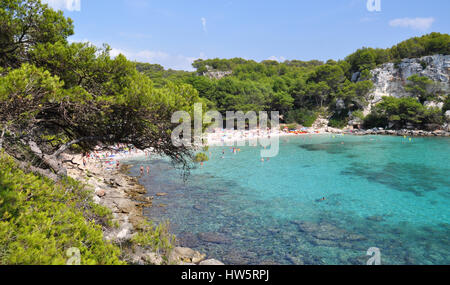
[446, 104]
[160, 76]
[401, 112]
[155, 238]
[418, 86]
[369, 58]
[292, 85]
[26, 24]
[292, 126]
[358, 114]
[434, 43]
[201, 157]
[304, 117]
[41, 220]
[338, 122]
[376, 120]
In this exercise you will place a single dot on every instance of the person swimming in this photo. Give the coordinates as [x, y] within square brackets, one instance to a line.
[142, 170]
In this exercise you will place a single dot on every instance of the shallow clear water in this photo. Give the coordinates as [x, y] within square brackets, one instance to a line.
[384, 192]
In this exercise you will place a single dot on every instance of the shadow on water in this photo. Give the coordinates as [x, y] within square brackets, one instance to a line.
[406, 177]
[336, 147]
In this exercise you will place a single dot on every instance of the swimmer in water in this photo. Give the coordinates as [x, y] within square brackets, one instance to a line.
[142, 170]
[321, 200]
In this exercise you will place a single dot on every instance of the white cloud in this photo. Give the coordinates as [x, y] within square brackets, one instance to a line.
[414, 23]
[69, 5]
[173, 61]
[204, 24]
[277, 58]
[115, 52]
[177, 62]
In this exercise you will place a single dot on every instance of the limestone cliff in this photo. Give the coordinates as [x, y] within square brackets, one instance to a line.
[390, 78]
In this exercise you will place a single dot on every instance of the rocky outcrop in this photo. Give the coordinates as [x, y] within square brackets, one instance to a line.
[321, 124]
[216, 74]
[381, 131]
[390, 78]
[185, 255]
[125, 197]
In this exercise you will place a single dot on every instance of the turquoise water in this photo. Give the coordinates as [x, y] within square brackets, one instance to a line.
[384, 192]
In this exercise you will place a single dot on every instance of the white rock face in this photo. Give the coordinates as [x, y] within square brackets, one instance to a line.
[390, 80]
[433, 104]
[447, 114]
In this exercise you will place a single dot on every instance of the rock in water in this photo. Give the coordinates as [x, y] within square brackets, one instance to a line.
[185, 255]
[214, 238]
[211, 262]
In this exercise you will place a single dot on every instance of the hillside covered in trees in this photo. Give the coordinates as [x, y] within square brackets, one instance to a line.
[303, 90]
[57, 96]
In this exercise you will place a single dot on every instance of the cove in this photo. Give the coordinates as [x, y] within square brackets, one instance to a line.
[381, 191]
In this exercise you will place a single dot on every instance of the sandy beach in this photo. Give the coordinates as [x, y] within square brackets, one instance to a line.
[220, 137]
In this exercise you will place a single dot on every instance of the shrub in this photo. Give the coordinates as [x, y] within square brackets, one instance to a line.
[402, 112]
[40, 220]
[304, 117]
[446, 104]
[201, 157]
[155, 238]
[338, 123]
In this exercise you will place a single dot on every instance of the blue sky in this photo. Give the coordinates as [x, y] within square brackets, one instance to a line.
[173, 33]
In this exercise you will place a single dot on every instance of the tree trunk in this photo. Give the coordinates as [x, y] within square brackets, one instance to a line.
[50, 160]
[1, 138]
[46, 173]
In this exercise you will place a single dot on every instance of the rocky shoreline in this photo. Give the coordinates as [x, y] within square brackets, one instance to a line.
[381, 131]
[125, 197]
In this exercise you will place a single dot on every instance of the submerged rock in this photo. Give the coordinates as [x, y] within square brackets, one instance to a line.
[376, 218]
[211, 262]
[185, 255]
[295, 260]
[187, 239]
[268, 263]
[326, 234]
[214, 238]
[236, 258]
